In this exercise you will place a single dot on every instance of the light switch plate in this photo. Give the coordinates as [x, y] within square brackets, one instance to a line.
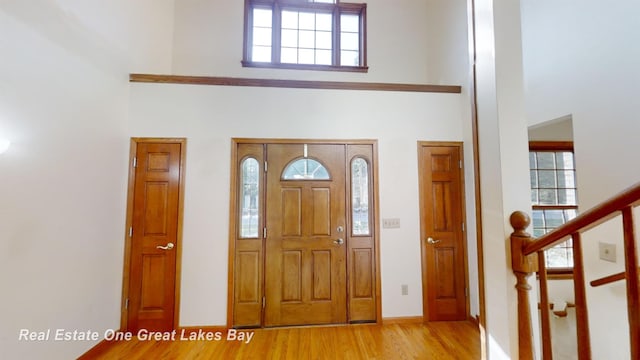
[391, 223]
[607, 251]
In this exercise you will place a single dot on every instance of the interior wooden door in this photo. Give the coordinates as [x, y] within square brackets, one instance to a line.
[305, 279]
[154, 236]
[442, 232]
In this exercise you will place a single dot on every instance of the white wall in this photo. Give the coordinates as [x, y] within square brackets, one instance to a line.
[439, 56]
[580, 59]
[208, 42]
[209, 116]
[63, 103]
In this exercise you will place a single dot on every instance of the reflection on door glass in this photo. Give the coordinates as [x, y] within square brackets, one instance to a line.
[359, 197]
[249, 204]
[305, 169]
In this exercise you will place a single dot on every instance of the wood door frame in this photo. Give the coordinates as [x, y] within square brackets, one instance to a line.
[129, 222]
[460, 146]
[233, 211]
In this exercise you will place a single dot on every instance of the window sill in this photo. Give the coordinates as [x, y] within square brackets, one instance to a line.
[361, 69]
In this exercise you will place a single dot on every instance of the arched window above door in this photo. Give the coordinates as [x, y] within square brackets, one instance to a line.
[305, 169]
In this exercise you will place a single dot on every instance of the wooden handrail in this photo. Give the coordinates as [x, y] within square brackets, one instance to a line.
[593, 217]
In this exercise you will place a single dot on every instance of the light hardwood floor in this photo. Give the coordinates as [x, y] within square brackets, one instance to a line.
[438, 340]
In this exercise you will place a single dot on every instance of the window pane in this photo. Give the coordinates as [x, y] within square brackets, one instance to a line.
[547, 179]
[532, 160]
[306, 56]
[360, 197]
[559, 257]
[567, 197]
[249, 204]
[349, 41]
[289, 19]
[261, 17]
[289, 55]
[323, 40]
[323, 57]
[350, 23]
[547, 197]
[324, 22]
[546, 160]
[534, 196]
[538, 219]
[307, 39]
[307, 21]
[349, 58]
[534, 179]
[553, 218]
[262, 36]
[289, 38]
[564, 160]
[261, 54]
[566, 179]
[305, 169]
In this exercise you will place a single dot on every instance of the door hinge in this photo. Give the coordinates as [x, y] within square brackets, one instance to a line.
[466, 292]
[266, 166]
[462, 227]
[135, 162]
[126, 304]
[130, 231]
[264, 302]
[264, 232]
[460, 164]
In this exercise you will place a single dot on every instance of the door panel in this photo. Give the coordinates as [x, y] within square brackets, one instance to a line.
[305, 265]
[442, 237]
[154, 240]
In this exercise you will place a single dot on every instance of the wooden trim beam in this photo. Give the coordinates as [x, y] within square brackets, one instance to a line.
[293, 84]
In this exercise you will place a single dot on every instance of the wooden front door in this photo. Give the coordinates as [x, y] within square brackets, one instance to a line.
[442, 231]
[305, 280]
[154, 236]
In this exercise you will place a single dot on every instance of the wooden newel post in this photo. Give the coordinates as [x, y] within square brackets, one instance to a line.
[523, 266]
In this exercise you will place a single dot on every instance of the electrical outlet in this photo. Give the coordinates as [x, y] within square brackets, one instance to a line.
[607, 251]
[391, 223]
[405, 289]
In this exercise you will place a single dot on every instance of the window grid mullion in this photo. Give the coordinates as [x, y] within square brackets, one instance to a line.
[336, 37]
[276, 33]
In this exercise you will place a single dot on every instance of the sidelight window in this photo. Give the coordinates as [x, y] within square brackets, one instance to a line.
[360, 197]
[249, 198]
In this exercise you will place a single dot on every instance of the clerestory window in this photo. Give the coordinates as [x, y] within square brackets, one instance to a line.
[305, 34]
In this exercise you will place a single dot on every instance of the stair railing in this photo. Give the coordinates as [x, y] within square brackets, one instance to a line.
[527, 257]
